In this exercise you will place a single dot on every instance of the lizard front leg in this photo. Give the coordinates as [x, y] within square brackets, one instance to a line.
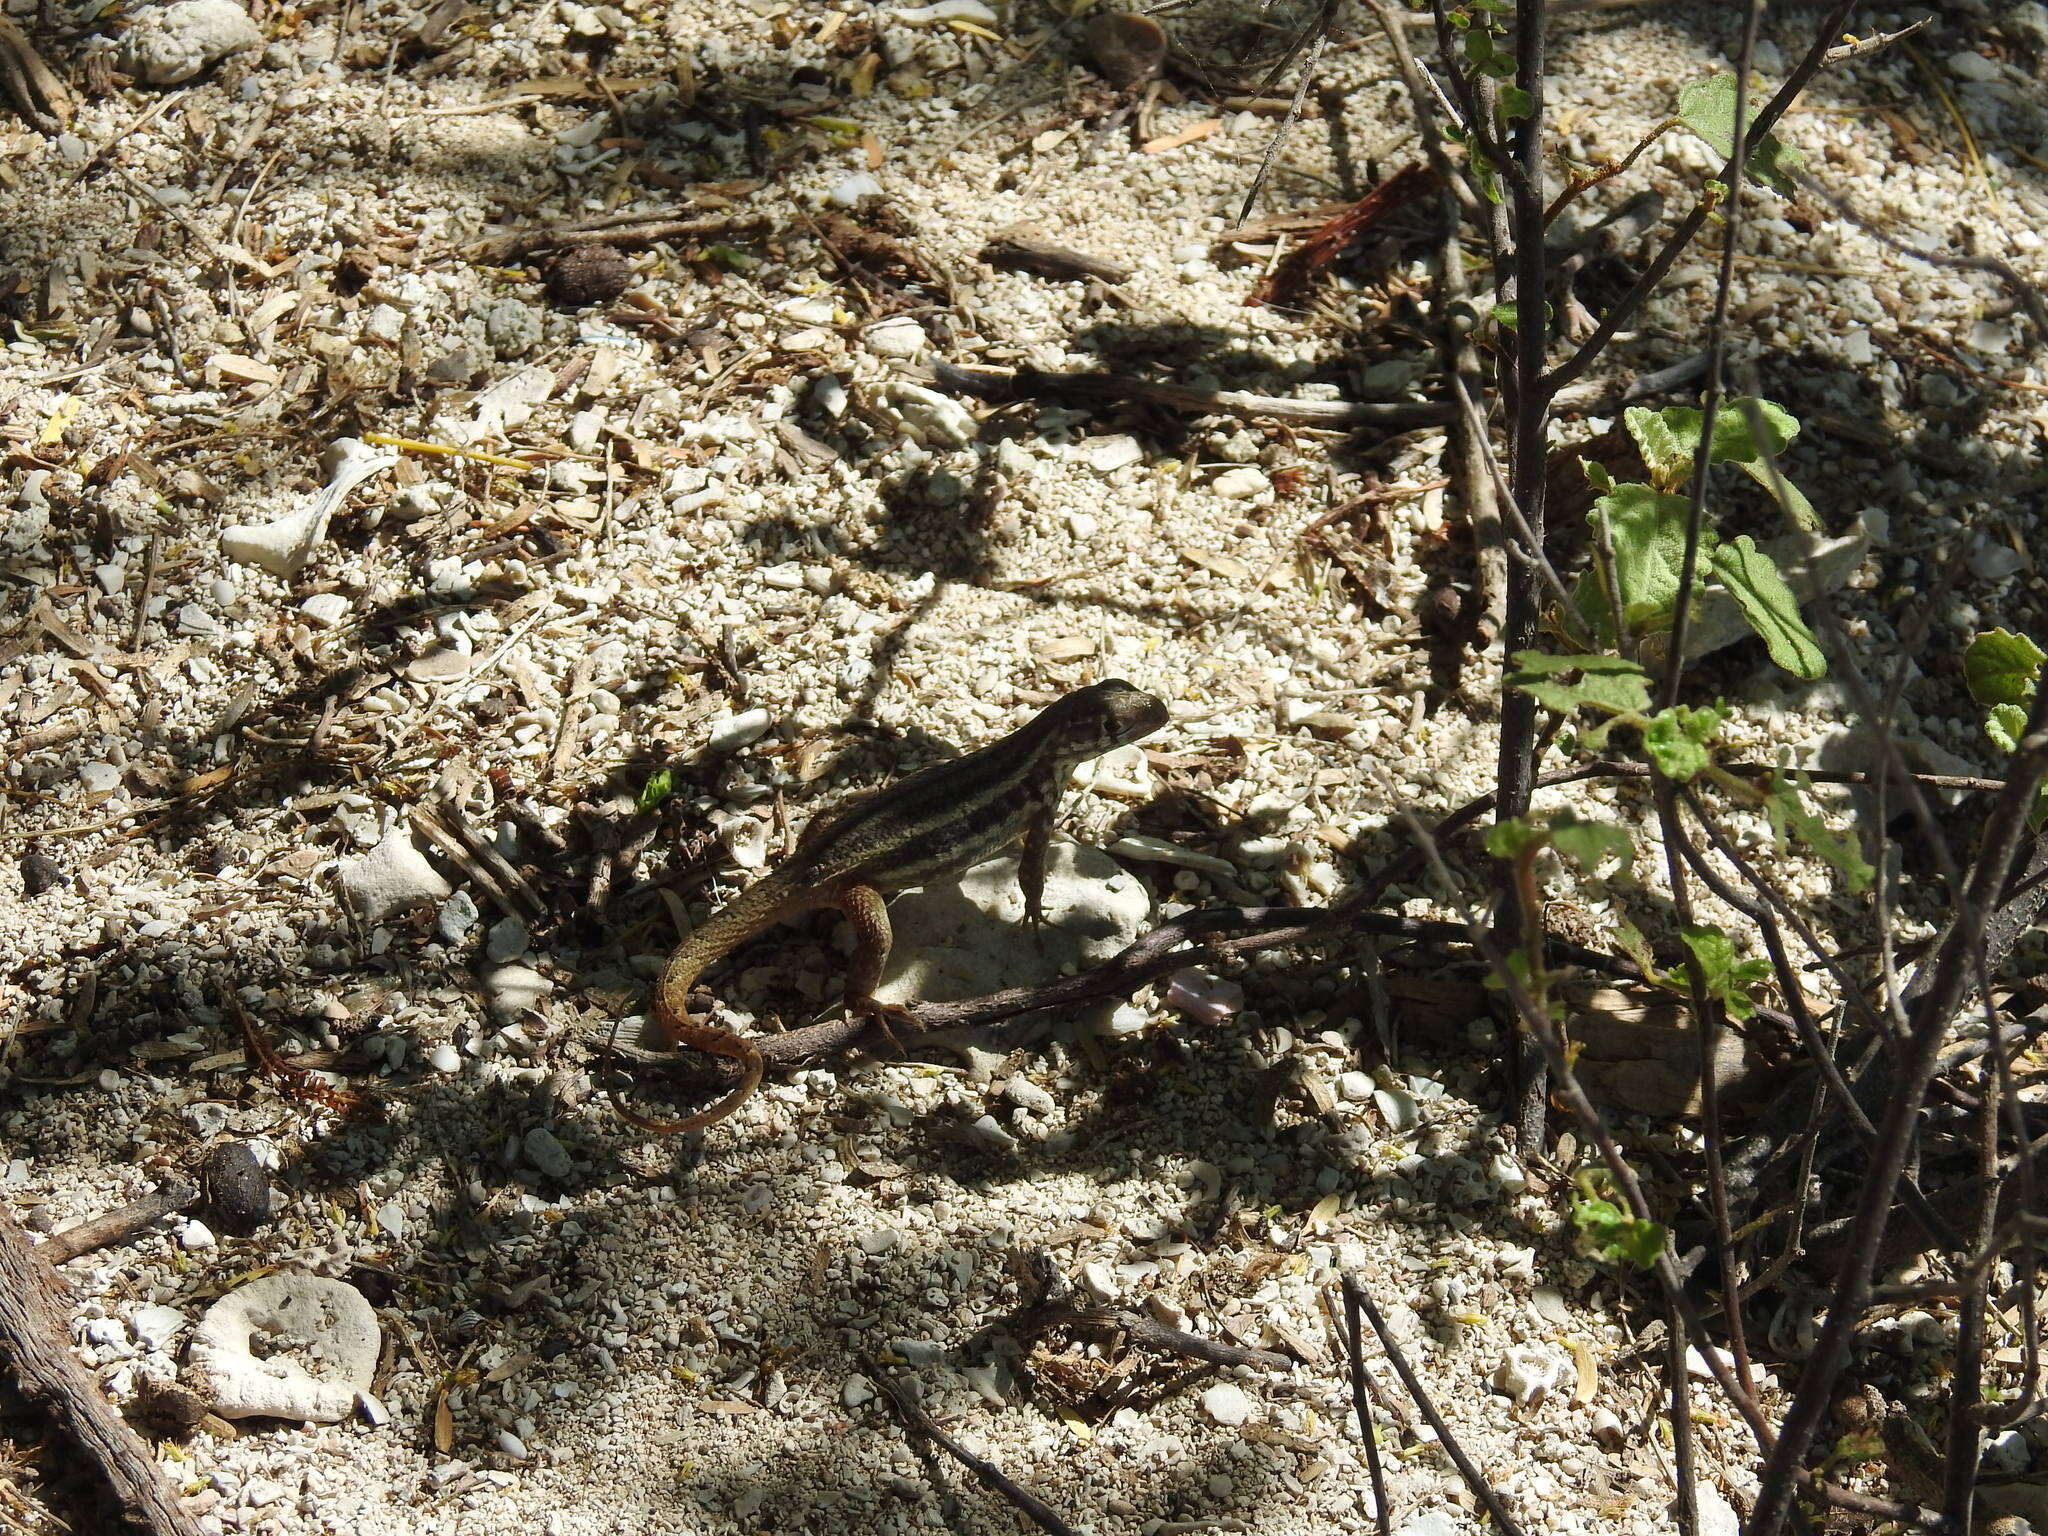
[1031, 870]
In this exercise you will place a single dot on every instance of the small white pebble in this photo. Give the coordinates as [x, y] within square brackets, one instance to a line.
[1241, 484]
[731, 732]
[325, 609]
[1227, 1404]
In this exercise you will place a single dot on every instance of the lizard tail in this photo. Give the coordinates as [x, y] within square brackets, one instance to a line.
[728, 928]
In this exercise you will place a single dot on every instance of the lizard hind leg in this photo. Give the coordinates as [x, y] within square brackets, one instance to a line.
[869, 914]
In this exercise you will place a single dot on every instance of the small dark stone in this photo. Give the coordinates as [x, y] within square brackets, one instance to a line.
[455, 368]
[39, 873]
[355, 268]
[166, 1408]
[554, 1346]
[1127, 49]
[238, 1194]
[587, 274]
[1442, 610]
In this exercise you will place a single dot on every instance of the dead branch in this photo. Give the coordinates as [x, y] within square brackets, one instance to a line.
[986, 1472]
[35, 1334]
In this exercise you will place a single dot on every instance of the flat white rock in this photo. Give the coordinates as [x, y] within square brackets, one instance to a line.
[326, 609]
[900, 337]
[970, 937]
[1241, 483]
[1717, 1516]
[392, 877]
[319, 1341]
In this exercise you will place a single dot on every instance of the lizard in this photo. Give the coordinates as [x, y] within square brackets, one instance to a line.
[938, 821]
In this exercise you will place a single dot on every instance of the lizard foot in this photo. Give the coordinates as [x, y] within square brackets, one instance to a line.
[879, 1013]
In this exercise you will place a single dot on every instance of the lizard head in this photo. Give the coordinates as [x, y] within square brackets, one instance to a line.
[1103, 716]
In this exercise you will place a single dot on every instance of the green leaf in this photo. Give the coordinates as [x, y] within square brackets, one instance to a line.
[1667, 440]
[2005, 725]
[1752, 434]
[732, 258]
[1628, 938]
[1608, 1232]
[1648, 532]
[1677, 738]
[1748, 432]
[1509, 316]
[1785, 804]
[1724, 976]
[1707, 107]
[1485, 174]
[1478, 45]
[1516, 103]
[1597, 475]
[2002, 668]
[1749, 429]
[1769, 607]
[1512, 838]
[1604, 682]
[659, 786]
[1588, 842]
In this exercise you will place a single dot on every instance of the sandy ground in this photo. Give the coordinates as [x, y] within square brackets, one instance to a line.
[725, 491]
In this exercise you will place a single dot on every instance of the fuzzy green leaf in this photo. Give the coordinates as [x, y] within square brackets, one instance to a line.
[1707, 107]
[1648, 531]
[1787, 808]
[2002, 668]
[659, 786]
[1749, 432]
[2005, 725]
[1588, 842]
[1607, 1232]
[1769, 607]
[1725, 977]
[1605, 683]
[1510, 839]
[1677, 738]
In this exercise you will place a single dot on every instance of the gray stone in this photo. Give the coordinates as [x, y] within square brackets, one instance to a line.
[545, 1151]
[970, 937]
[513, 329]
[168, 45]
